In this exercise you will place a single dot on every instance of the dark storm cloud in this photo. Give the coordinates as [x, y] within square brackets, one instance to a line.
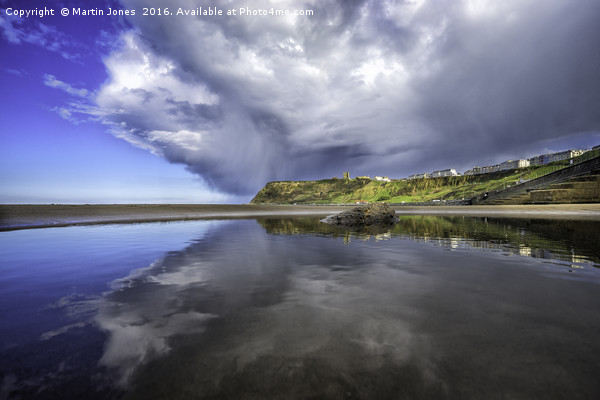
[534, 77]
[371, 87]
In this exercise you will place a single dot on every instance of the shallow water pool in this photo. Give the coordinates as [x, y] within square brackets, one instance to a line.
[437, 307]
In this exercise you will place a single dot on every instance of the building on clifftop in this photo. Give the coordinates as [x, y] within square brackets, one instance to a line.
[444, 172]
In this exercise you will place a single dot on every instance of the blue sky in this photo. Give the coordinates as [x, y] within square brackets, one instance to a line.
[45, 158]
[149, 109]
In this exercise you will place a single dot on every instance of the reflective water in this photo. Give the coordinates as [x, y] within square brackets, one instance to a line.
[452, 308]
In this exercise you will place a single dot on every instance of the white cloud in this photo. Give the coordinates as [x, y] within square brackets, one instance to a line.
[264, 98]
[16, 72]
[16, 31]
[134, 68]
[403, 85]
[51, 81]
[9, 31]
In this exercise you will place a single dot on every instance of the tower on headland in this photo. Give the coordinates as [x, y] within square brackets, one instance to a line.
[347, 175]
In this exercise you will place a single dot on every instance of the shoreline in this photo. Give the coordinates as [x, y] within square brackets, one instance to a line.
[30, 216]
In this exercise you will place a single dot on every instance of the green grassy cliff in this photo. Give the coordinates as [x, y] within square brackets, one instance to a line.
[341, 191]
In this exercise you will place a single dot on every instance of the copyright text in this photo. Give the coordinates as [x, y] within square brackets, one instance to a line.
[158, 12]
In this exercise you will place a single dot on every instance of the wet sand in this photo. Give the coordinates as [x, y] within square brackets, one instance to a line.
[25, 216]
[38, 216]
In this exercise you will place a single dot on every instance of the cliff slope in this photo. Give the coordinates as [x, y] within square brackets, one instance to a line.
[347, 191]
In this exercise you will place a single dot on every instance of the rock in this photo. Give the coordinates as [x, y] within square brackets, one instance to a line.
[377, 214]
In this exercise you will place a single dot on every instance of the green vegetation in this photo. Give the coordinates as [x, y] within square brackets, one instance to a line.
[571, 240]
[555, 166]
[345, 191]
[340, 191]
[588, 155]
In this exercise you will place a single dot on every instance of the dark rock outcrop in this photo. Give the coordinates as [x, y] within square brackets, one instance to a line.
[378, 214]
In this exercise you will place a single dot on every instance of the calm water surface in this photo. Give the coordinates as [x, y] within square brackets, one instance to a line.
[444, 308]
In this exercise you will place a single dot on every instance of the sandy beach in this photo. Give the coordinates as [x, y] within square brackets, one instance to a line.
[38, 216]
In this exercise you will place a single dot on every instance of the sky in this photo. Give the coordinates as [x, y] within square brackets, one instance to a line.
[178, 108]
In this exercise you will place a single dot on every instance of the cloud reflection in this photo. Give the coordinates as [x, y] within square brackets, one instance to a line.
[179, 294]
[248, 308]
[257, 303]
[134, 338]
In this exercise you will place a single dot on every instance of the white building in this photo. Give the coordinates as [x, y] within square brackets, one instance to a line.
[564, 155]
[513, 164]
[444, 172]
[548, 158]
[506, 165]
[382, 179]
[419, 176]
[474, 171]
